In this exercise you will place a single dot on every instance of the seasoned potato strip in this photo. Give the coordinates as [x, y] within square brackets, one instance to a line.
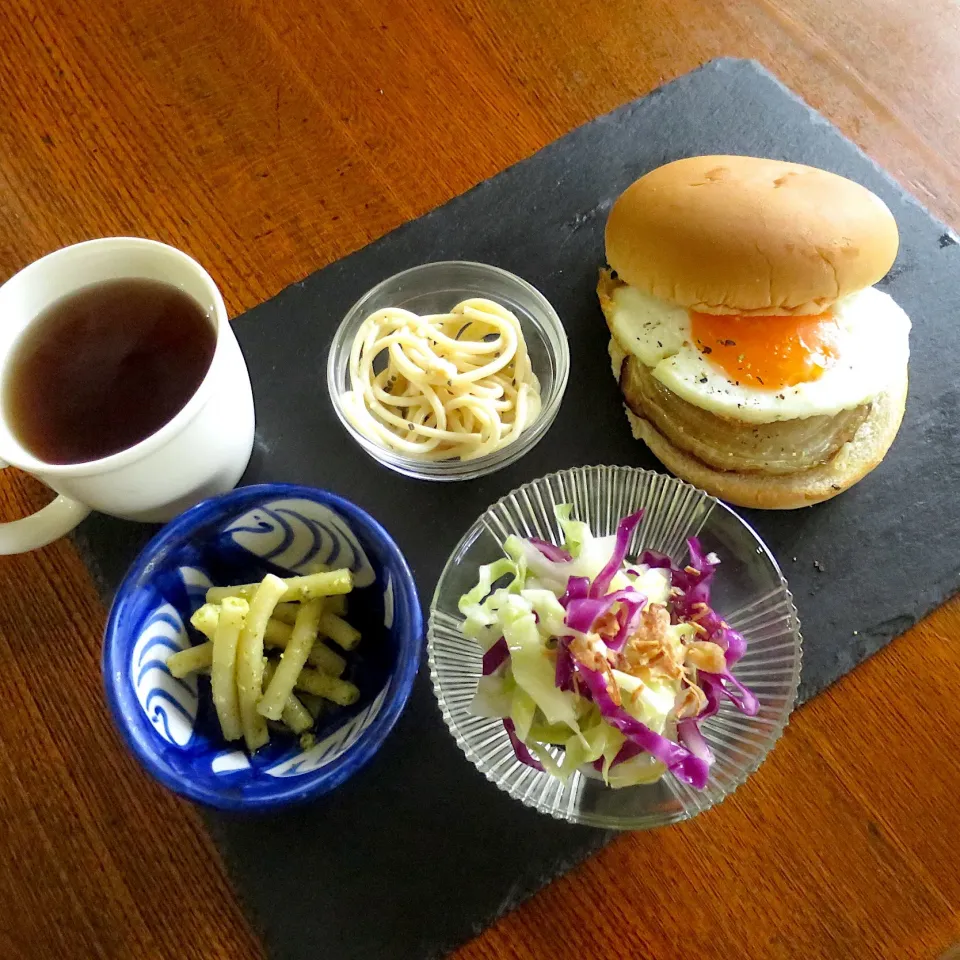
[291, 709]
[296, 716]
[250, 659]
[190, 660]
[339, 631]
[286, 612]
[205, 619]
[292, 661]
[337, 604]
[314, 585]
[341, 692]
[316, 705]
[326, 660]
[276, 635]
[326, 584]
[223, 673]
[243, 590]
[254, 694]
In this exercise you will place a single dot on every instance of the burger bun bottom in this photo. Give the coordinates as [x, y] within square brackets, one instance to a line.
[851, 463]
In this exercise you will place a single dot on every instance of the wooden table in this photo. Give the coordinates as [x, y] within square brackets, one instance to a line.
[268, 139]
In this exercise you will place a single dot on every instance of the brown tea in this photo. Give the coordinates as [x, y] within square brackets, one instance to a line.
[103, 368]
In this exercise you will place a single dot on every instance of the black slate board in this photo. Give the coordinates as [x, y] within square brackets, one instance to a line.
[419, 852]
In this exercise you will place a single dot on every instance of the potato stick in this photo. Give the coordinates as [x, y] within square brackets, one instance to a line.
[190, 660]
[296, 716]
[276, 635]
[330, 584]
[223, 672]
[326, 660]
[269, 669]
[250, 660]
[330, 688]
[205, 619]
[316, 705]
[292, 661]
[286, 612]
[339, 631]
[243, 590]
[291, 708]
[297, 588]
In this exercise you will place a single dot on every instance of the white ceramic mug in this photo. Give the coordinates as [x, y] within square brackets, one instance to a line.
[202, 451]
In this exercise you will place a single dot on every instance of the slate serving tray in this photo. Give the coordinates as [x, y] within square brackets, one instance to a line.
[419, 852]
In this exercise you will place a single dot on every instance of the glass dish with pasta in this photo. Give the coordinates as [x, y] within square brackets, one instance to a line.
[450, 370]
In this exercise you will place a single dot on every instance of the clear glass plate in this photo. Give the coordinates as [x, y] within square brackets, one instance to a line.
[748, 591]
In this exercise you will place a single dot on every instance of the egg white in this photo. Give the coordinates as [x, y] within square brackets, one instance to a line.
[873, 351]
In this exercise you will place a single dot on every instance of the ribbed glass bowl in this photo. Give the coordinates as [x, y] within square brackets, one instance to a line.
[748, 591]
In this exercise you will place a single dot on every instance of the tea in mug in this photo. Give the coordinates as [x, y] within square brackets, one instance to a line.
[105, 367]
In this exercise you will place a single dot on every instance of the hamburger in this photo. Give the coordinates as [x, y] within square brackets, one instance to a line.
[755, 357]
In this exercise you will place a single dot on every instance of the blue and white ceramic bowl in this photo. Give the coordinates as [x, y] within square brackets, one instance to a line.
[171, 725]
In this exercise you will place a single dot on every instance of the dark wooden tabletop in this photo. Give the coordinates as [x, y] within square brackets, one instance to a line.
[268, 139]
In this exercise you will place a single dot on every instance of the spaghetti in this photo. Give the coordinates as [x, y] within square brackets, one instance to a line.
[455, 385]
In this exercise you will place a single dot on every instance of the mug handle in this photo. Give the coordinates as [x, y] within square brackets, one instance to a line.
[51, 523]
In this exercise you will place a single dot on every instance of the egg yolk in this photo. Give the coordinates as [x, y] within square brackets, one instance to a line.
[768, 352]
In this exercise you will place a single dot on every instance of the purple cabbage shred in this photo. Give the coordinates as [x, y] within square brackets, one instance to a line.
[495, 657]
[520, 748]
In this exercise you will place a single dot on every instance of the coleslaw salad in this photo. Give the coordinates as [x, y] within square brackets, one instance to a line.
[616, 662]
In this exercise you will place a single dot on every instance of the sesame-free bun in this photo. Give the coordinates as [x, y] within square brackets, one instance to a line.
[743, 235]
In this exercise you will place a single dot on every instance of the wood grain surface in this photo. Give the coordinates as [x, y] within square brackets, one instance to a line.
[268, 139]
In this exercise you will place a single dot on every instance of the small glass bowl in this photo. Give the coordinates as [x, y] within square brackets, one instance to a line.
[436, 288]
[748, 591]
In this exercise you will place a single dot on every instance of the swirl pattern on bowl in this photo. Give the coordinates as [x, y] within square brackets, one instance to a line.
[294, 533]
[169, 703]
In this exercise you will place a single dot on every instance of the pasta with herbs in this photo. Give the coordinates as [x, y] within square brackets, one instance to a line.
[455, 385]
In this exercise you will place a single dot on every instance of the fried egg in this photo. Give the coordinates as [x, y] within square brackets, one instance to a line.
[764, 369]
